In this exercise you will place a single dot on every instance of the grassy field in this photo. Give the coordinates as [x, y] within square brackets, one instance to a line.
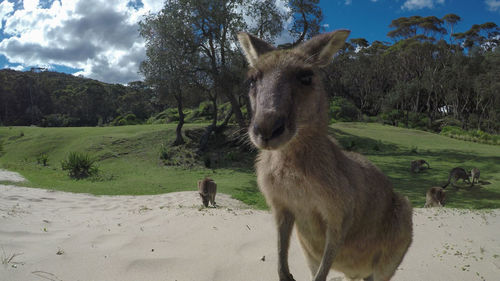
[129, 163]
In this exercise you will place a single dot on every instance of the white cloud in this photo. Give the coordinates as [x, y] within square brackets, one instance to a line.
[420, 4]
[99, 36]
[30, 5]
[348, 2]
[5, 8]
[493, 5]
[18, 67]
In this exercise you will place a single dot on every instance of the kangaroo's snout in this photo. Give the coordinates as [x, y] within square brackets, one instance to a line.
[269, 129]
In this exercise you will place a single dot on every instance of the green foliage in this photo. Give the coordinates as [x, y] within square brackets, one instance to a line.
[1, 147]
[79, 165]
[392, 117]
[474, 135]
[61, 100]
[58, 120]
[129, 119]
[343, 110]
[42, 159]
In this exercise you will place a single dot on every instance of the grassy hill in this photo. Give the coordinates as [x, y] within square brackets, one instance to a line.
[128, 158]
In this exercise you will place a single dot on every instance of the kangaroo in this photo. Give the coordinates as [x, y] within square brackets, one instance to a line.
[417, 165]
[475, 175]
[345, 212]
[457, 174]
[207, 189]
[435, 197]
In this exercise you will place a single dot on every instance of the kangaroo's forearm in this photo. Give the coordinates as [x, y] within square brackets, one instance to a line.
[333, 240]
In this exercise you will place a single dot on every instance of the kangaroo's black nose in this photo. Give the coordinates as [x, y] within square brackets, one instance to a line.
[278, 128]
[270, 132]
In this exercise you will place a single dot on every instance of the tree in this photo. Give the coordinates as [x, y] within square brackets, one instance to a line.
[171, 51]
[307, 17]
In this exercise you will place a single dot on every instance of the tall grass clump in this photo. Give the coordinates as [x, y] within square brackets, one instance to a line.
[79, 165]
[42, 159]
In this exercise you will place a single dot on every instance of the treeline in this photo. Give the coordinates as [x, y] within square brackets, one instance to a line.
[57, 99]
[422, 80]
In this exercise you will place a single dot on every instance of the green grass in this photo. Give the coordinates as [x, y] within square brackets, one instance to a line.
[392, 149]
[128, 160]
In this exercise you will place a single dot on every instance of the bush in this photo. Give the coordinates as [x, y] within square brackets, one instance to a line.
[59, 120]
[393, 117]
[343, 110]
[129, 119]
[42, 159]
[474, 135]
[79, 165]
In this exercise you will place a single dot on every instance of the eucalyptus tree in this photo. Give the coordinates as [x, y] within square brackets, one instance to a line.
[307, 17]
[171, 55]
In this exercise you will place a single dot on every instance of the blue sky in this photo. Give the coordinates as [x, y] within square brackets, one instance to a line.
[370, 19]
[99, 38]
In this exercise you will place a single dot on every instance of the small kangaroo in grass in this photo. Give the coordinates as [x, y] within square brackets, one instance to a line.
[457, 174]
[344, 209]
[207, 188]
[417, 165]
[475, 175]
[435, 197]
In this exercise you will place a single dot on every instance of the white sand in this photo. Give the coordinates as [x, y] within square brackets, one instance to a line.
[66, 236]
[10, 176]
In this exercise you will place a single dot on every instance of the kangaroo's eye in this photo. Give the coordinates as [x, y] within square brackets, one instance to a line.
[305, 77]
[251, 82]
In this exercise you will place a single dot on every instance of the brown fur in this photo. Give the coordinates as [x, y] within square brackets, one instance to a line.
[457, 174]
[435, 197]
[344, 209]
[207, 189]
[475, 173]
[418, 165]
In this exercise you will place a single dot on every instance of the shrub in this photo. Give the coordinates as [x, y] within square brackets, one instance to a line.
[164, 152]
[393, 117]
[129, 119]
[42, 159]
[343, 110]
[475, 135]
[79, 165]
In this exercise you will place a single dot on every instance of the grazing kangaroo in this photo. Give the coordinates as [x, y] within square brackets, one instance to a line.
[346, 215]
[417, 165]
[207, 189]
[457, 174]
[435, 197]
[475, 175]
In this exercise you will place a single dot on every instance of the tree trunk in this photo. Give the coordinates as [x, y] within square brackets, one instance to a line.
[178, 131]
[236, 109]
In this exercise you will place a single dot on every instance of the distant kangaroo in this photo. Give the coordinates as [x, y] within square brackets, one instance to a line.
[475, 175]
[207, 189]
[417, 165]
[457, 174]
[435, 197]
[346, 214]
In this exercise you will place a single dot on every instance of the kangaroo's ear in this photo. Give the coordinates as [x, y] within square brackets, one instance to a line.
[253, 47]
[321, 48]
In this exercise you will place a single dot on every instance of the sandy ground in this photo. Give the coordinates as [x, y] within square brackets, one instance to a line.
[50, 235]
[10, 176]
